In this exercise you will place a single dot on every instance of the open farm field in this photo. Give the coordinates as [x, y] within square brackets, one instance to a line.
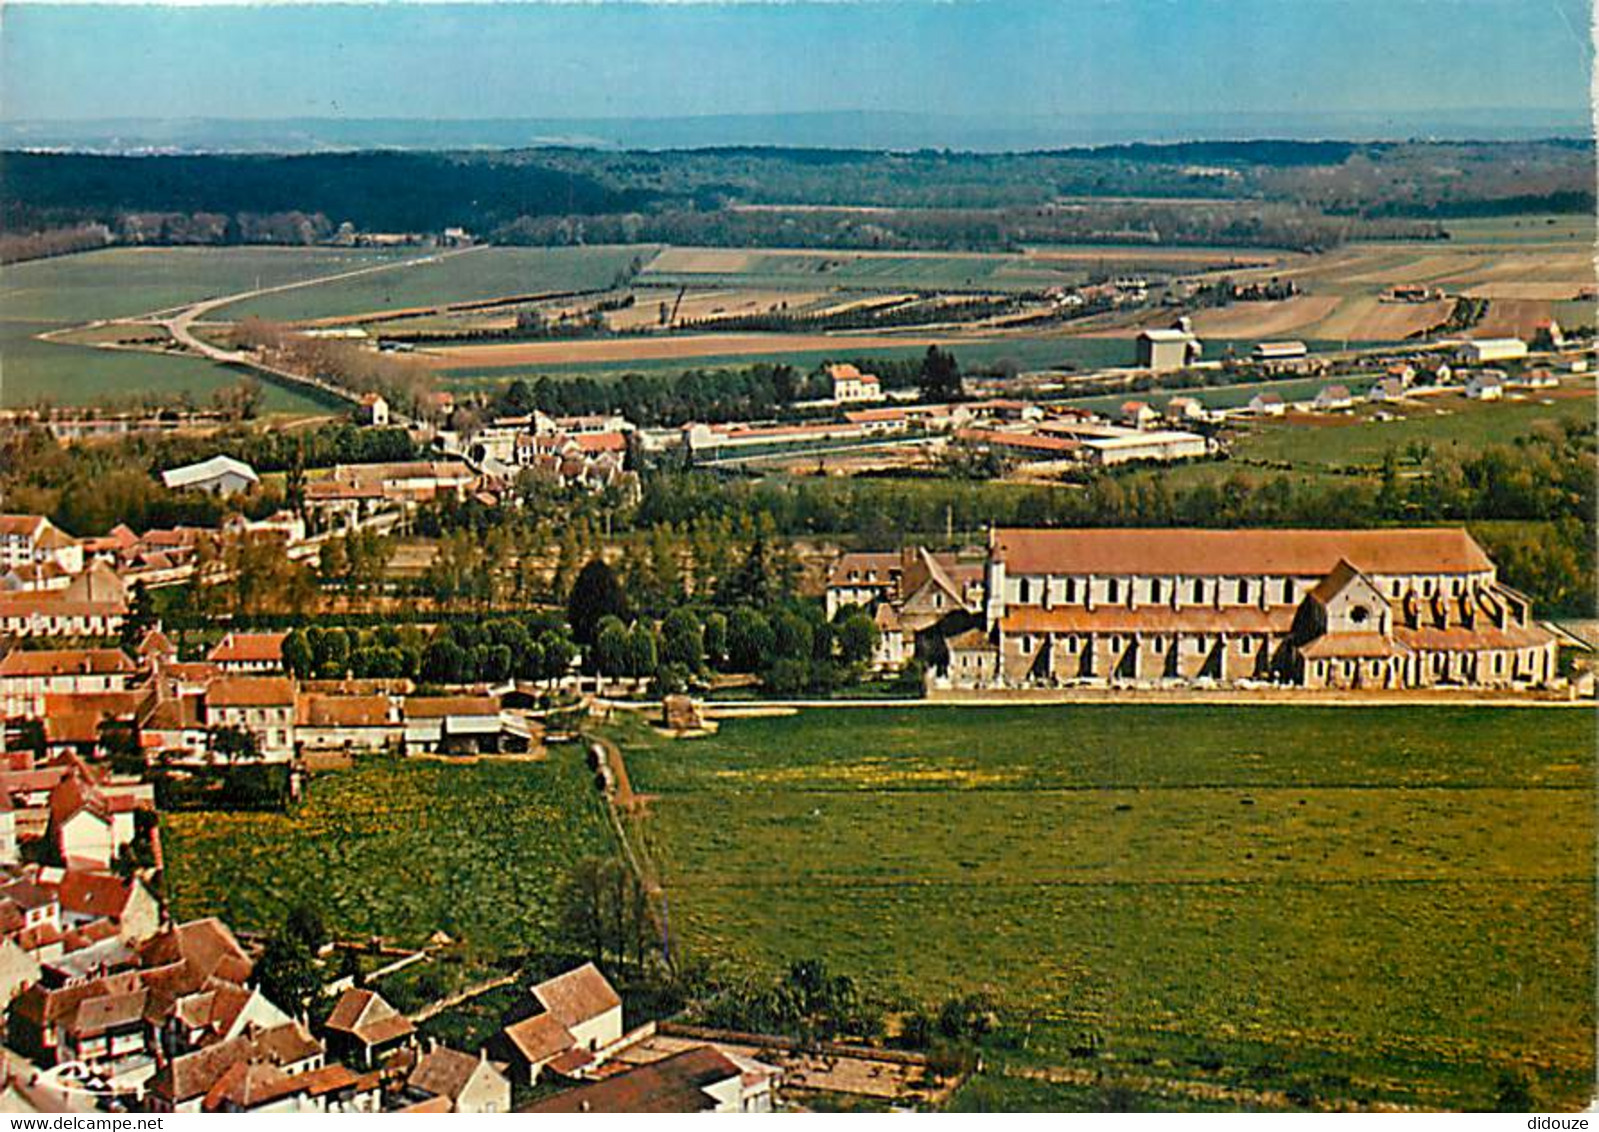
[120, 282]
[675, 348]
[861, 271]
[401, 849]
[716, 302]
[1184, 258]
[1079, 352]
[1524, 228]
[1264, 320]
[1352, 904]
[1513, 318]
[475, 275]
[59, 373]
[1225, 396]
[1444, 422]
[1368, 317]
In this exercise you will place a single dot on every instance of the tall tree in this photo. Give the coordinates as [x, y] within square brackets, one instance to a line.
[595, 595]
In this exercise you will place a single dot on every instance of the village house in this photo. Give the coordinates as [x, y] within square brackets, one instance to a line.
[1138, 414]
[1386, 391]
[262, 705]
[1185, 409]
[374, 410]
[33, 540]
[467, 1083]
[1313, 608]
[1486, 385]
[578, 1017]
[57, 613]
[1333, 398]
[698, 1079]
[26, 677]
[249, 653]
[363, 1029]
[331, 722]
[850, 386]
[1267, 405]
[90, 823]
[87, 897]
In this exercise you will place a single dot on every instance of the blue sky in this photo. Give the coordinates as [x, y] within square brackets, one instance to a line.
[967, 57]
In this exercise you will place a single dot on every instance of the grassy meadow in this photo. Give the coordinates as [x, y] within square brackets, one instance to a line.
[121, 282]
[33, 372]
[49, 294]
[400, 848]
[484, 273]
[1354, 905]
[1446, 422]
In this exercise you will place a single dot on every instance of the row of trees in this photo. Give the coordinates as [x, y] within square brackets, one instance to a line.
[710, 395]
[406, 383]
[535, 647]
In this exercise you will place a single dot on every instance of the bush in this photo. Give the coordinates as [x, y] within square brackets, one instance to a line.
[788, 677]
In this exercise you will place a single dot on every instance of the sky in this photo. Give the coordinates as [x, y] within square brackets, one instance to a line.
[608, 58]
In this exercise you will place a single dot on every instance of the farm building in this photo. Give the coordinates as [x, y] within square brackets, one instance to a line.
[1334, 397]
[1138, 414]
[1185, 409]
[732, 441]
[1267, 405]
[1169, 349]
[1279, 351]
[374, 410]
[1389, 389]
[220, 475]
[1313, 608]
[1486, 386]
[1134, 444]
[1485, 350]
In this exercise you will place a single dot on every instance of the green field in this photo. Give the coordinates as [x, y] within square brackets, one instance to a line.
[50, 294]
[32, 372]
[485, 273]
[1536, 228]
[122, 282]
[1447, 422]
[1058, 352]
[400, 848]
[1357, 904]
[887, 271]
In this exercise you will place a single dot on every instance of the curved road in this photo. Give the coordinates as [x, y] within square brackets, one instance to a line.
[180, 324]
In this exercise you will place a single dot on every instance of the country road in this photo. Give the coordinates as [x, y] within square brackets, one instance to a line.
[179, 322]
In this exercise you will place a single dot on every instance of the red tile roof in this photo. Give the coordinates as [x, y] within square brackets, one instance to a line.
[580, 995]
[65, 662]
[673, 1084]
[1186, 551]
[249, 648]
[1148, 619]
[250, 691]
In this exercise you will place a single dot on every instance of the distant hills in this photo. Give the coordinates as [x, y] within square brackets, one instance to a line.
[833, 130]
